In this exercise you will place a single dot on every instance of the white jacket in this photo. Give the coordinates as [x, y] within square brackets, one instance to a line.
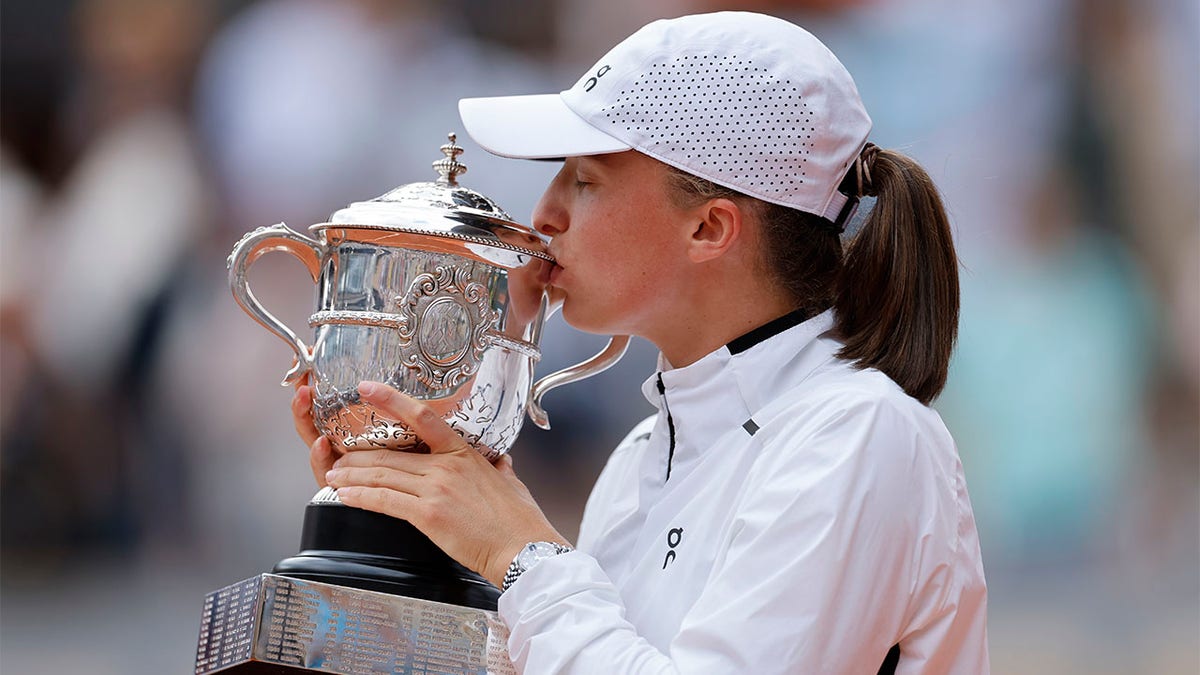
[784, 512]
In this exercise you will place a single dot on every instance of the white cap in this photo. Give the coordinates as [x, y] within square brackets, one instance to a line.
[744, 100]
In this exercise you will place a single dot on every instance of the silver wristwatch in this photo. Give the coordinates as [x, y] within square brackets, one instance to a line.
[533, 553]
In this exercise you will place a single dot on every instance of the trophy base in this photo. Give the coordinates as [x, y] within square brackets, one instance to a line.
[274, 625]
[351, 547]
[263, 668]
[366, 594]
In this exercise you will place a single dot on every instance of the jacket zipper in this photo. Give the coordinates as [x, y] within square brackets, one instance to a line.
[662, 392]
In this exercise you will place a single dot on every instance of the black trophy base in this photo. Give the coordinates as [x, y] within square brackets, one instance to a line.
[346, 546]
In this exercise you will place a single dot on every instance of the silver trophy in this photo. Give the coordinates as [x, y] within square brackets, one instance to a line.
[433, 289]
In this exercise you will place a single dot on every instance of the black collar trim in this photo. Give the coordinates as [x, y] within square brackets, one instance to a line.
[770, 330]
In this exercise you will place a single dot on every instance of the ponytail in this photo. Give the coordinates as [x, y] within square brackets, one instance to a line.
[893, 286]
[896, 294]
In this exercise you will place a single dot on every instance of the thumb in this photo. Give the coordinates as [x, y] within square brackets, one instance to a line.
[505, 466]
[423, 420]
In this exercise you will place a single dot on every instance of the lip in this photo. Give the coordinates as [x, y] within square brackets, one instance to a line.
[556, 269]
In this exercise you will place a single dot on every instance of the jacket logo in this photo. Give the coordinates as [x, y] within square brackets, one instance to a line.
[591, 81]
[674, 536]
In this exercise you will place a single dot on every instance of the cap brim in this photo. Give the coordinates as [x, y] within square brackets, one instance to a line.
[539, 126]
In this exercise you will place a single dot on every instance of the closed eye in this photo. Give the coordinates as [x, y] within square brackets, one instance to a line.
[584, 179]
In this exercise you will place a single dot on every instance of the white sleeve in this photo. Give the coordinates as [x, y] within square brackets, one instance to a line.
[817, 575]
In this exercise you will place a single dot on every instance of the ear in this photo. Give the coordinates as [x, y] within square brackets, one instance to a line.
[719, 228]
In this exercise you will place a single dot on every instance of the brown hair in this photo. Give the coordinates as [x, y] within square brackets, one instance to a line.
[893, 285]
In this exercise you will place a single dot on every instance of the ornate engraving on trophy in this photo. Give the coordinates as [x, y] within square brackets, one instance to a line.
[445, 332]
[477, 411]
[445, 320]
[354, 318]
[477, 408]
[353, 424]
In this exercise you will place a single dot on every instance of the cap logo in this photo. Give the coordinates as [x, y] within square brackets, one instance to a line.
[591, 81]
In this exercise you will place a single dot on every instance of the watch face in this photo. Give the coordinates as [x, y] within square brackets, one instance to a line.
[534, 553]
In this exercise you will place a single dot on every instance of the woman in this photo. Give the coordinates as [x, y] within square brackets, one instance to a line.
[795, 505]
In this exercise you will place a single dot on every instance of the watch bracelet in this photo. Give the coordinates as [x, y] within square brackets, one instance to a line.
[514, 568]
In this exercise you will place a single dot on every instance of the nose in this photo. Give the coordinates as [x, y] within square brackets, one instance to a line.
[550, 214]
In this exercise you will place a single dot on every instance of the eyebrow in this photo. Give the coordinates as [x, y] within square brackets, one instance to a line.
[581, 164]
[602, 162]
[604, 157]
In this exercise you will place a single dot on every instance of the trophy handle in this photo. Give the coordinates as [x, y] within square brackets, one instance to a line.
[602, 361]
[278, 237]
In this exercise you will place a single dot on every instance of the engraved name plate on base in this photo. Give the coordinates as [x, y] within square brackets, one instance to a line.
[271, 624]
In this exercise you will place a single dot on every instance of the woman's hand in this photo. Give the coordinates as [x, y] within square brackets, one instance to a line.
[321, 454]
[479, 514]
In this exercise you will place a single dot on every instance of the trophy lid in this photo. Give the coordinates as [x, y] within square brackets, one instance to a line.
[444, 209]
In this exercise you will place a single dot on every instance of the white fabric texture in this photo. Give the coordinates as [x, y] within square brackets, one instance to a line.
[814, 516]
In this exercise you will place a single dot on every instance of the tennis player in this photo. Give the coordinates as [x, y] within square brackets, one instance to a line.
[795, 505]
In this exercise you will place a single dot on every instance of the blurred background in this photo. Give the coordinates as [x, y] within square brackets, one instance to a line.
[147, 452]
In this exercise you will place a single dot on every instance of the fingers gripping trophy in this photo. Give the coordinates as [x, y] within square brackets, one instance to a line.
[434, 290]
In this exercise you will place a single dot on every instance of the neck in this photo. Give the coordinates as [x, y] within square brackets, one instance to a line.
[719, 313]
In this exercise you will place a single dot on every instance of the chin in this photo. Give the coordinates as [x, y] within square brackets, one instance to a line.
[580, 318]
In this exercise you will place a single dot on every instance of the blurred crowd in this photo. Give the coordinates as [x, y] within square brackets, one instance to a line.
[141, 421]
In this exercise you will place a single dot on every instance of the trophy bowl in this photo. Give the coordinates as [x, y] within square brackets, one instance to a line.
[432, 289]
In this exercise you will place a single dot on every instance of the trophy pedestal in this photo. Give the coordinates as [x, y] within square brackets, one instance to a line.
[361, 549]
[366, 594]
[270, 624]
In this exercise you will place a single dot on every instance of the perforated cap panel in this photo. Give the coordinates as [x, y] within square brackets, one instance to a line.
[755, 136]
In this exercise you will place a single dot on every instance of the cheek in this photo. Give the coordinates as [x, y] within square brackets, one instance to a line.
[622, 261]
[620, 252]
[627, 278]
[603, 290]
